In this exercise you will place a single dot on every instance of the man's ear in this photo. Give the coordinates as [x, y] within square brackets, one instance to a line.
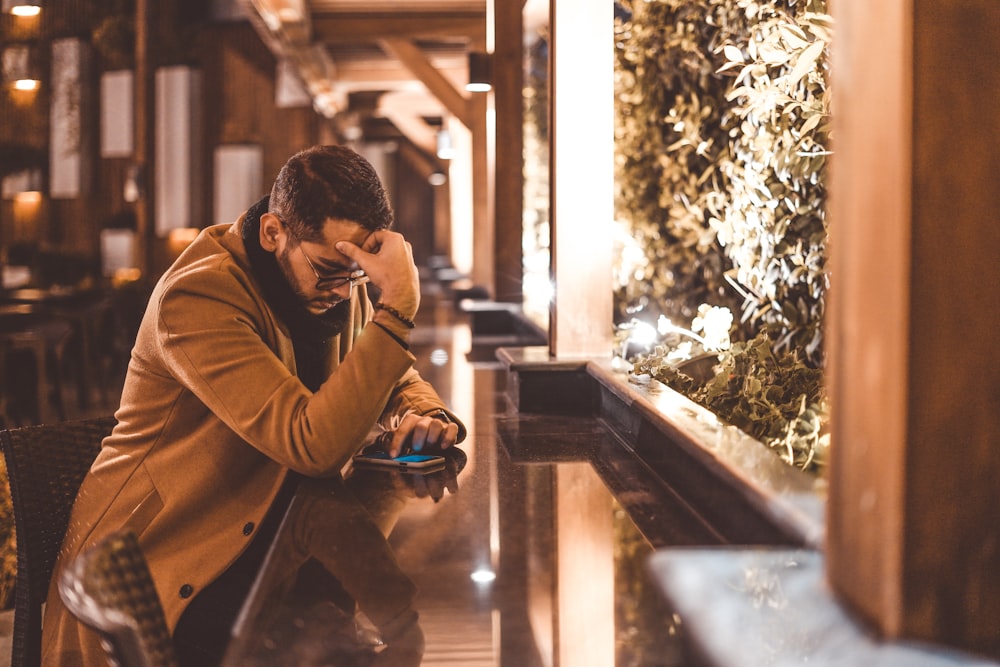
[270, 228]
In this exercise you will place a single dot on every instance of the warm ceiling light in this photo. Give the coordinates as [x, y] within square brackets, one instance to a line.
[290, 14]
[32, 197]
[21, 67]
[22, 184]
[445, 149]
[328, 103]
[180, 238]
[480, 72]
[21, 8]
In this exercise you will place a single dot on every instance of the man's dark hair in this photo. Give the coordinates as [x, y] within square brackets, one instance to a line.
[328, 182]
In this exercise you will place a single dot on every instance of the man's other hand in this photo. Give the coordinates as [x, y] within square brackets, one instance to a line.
[422, 433]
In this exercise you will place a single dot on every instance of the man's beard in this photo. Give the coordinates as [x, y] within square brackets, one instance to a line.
[281, 290]
[336, 316]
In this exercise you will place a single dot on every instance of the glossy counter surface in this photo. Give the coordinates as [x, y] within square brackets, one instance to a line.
[527, 555]
[621, 527]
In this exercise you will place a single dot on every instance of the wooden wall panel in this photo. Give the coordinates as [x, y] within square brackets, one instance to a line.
[240, 78]
[238, 106]
[64, 225]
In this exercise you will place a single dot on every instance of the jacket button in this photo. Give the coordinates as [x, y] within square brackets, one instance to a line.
[186, 591]
[248, 528]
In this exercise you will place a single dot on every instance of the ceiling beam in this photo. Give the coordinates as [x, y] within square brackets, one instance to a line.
[421, 162]
[354, 78]
[408, 25]
[415, 129]
[289, 20]
[400, 111]
[414, 59]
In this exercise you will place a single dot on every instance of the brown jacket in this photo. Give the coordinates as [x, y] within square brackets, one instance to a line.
[212, 418]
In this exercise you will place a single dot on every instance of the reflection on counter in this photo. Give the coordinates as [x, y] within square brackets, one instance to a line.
[529, 557]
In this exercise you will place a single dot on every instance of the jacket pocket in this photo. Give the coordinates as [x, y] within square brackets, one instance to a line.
[144, 512]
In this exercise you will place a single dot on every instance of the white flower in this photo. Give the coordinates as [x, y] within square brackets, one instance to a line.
[714, 324]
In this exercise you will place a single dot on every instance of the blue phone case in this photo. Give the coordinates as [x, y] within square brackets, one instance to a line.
[383, 459]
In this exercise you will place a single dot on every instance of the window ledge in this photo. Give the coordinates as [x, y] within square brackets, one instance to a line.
[752, 606]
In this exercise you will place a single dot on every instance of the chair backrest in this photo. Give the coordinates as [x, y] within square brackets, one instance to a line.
[109, 588]
[45, 466]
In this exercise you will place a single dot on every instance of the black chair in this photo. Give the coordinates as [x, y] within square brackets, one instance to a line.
[45, 466]
[109, 588]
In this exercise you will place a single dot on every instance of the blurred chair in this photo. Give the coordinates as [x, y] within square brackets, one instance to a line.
[34, 345]
[90, 315]
[45, 466]
[109, 589]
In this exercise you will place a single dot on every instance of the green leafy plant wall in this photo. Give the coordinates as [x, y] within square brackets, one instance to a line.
[670, 136]
[722, 143]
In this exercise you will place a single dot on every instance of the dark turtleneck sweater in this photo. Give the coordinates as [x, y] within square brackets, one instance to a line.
[310, 333]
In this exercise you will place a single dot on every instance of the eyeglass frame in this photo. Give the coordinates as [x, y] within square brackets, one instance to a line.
[354, 278]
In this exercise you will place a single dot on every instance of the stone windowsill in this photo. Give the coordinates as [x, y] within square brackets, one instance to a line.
[752, 606]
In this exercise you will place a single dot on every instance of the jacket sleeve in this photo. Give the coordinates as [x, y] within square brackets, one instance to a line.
[214, 339]
[414, 394]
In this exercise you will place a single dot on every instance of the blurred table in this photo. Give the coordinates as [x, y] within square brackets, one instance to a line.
[29, 336]
[43, 295]
[89, 312]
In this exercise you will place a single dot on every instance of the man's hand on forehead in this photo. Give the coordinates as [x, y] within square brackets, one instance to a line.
[372, 244]
[387, 259]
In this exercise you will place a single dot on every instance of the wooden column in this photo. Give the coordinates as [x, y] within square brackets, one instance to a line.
[144, 137]
[482, 193]
[442, 219]
[912, 540]
[508, 83]
[581, 176]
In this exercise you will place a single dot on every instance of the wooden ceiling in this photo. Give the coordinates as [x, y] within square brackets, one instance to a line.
[366, 63]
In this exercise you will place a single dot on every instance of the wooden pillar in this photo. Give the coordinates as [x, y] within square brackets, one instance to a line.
[480, 112]
[144, 136]
[442, 219]
[508, 83]
[581, 176]
[912, 540]
[482, 193]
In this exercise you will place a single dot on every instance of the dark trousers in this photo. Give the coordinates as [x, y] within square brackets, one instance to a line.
[204, 628]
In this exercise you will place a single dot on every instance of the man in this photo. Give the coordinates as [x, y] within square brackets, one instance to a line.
[260, 359]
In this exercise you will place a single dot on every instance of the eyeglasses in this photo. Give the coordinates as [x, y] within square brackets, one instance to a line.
[326, 283]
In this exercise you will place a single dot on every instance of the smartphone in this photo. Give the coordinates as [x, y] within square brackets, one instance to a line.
[407, 461]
